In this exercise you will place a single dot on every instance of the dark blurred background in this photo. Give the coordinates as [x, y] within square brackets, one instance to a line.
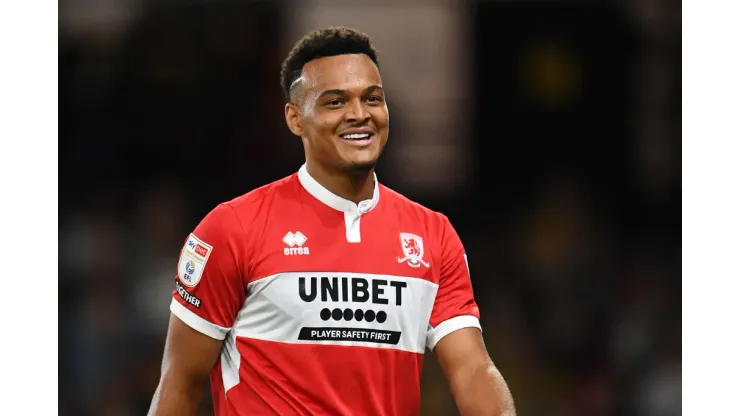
[547, 131]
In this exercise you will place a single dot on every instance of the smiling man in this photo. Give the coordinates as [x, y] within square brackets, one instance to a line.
[319, 293]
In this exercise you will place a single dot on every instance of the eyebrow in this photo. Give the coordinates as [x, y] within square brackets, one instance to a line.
[367, 90]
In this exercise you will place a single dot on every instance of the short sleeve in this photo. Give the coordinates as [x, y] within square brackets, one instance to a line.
[209, 286]
[454, 307]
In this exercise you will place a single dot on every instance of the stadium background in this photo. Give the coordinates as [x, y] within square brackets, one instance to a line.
[547, 131]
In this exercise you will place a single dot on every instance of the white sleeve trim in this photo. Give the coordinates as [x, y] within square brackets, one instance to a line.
[196, 322]
[434, 335]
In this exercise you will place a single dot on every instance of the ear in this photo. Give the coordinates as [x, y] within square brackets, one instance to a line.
[293, 119]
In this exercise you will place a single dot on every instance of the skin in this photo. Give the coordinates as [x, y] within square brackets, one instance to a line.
[478, 387]
[189, 357]
[335, 94]
[332, 95]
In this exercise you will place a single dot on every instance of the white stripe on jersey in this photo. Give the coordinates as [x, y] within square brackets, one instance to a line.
[301, 308]
[449, 326]
[196, 322]
[230, 362]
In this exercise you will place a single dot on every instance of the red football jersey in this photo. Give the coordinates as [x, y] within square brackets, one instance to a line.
[325, 306]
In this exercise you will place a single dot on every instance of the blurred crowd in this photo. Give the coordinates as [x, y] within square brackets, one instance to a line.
[574, 250]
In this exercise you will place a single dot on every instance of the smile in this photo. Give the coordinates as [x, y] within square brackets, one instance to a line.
[357, 138]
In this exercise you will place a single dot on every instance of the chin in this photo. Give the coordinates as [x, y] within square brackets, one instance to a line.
[360, 165]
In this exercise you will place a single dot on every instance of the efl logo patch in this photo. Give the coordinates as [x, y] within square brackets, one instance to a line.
[193, 260]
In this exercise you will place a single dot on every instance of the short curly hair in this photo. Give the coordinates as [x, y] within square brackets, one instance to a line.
[331, 41]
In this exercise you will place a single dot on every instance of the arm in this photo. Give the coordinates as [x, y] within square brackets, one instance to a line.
[476, 384]
[454, 336]
[209, 292]
[188, 359]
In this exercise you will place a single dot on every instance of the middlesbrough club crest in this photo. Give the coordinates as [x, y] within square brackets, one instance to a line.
[413, 250]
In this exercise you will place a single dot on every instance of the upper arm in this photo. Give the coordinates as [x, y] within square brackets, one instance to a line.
[189, 357]
[476, 384]
[209, 285]
[188, 353]
[461, 352]
[209, 292]
[454, 306]
[456, 339]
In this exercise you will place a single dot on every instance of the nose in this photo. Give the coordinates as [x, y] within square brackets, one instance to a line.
[356, 112]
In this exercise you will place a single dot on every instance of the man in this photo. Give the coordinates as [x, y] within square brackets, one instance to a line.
[318, 294]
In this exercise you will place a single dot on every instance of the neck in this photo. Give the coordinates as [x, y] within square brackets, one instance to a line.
[354, 186]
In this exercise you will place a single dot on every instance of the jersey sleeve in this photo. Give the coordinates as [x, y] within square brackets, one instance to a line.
[209, 285]
[454, 307]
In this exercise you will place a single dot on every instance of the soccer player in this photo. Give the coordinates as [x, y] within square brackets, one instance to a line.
[318, 294]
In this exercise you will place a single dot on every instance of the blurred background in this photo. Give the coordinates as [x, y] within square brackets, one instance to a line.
[547, 131]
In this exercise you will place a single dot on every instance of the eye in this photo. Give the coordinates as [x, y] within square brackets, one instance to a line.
[374, 99]
[334, 103]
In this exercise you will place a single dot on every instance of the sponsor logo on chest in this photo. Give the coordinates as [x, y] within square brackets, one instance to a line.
[351, 289]
[341, 308]
[365, 295]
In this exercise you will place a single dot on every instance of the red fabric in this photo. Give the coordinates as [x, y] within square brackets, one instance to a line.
[246, 235]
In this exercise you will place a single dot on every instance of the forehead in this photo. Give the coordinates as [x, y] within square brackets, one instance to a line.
[341, 72]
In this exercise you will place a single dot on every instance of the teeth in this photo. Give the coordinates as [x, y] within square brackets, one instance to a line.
[356, 136]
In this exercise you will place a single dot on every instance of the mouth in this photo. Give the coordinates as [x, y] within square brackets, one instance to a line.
[358, 138]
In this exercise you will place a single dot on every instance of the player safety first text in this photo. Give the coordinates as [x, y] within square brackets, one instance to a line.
[349, 334]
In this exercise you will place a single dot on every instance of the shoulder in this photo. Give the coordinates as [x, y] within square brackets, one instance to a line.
[259, 198]
[405, 206]
[248, 208]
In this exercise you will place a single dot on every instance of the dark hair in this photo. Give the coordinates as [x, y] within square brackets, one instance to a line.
[321, 43]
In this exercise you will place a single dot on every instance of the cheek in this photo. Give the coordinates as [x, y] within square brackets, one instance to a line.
[381, 117]
[321, 131]
[318, 125]
[327, 125]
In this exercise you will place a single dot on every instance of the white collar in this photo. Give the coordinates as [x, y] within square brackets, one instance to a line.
[337, 202]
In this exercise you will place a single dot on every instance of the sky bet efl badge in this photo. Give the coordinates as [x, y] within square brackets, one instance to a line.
[193, 260]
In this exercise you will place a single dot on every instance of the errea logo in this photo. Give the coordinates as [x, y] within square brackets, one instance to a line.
[293, 240]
